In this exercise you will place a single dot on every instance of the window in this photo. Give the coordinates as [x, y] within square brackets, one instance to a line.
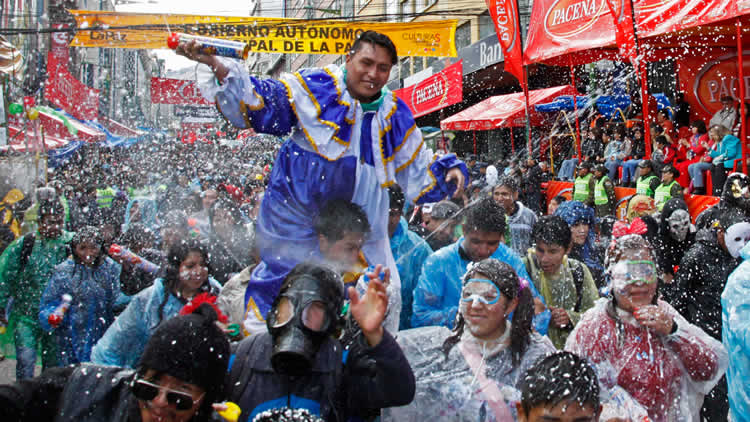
[486, 27]
[424, 4]
[418, 65]
[347, 8]
[463, 35]
[405, 67]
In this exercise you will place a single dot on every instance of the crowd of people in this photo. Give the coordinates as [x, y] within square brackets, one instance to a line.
[682, 156]
[312, 280]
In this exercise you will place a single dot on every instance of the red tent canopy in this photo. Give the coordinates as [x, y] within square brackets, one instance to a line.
[573, 32]
[504, 110]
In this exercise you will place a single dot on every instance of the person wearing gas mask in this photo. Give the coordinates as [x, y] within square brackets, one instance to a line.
[299, 363]
[702, 275]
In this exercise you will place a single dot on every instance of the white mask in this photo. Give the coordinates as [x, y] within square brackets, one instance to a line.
[736, 237]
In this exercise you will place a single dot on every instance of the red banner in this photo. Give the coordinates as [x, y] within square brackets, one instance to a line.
[705, 77]
[438, 91]
[504, 15]
[62, 88]
[176, 91]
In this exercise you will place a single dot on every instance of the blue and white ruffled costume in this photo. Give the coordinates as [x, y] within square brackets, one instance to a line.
[337, 148]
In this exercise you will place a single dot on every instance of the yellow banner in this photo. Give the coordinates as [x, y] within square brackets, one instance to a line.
[264, 35]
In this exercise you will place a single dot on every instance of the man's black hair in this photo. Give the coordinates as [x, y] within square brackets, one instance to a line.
[376, 38]
[560, 377]
[338, 217]
[487, 216]
[509, 182]
[661, 140]
[552, 230]
[396, 196]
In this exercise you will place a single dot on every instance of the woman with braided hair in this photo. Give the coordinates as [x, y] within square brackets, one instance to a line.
[473, 370]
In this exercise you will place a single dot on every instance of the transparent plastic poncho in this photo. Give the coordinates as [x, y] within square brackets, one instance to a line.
[668, 375]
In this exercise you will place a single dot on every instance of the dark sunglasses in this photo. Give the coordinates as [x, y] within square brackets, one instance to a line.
[146, 391]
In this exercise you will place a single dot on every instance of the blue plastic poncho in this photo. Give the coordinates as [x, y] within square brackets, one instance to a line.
[438, 291]
[94, 292]
[409, 251]
[735, 335]
[126, 338]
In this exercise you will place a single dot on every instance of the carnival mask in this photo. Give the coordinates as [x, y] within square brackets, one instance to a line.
[736, 237]
[679, 225]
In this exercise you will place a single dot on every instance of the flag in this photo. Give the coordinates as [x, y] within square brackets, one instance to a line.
[622, 13]
[504, 15]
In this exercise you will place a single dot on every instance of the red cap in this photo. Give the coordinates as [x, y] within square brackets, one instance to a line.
[173, 40]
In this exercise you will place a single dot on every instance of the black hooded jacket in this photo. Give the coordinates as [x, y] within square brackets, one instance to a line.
[700, 280]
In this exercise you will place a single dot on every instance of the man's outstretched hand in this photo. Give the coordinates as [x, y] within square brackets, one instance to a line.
[455, 175]
[191, 50]
[369, 310]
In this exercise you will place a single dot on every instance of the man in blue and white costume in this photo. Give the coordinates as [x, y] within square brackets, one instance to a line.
[349, 138]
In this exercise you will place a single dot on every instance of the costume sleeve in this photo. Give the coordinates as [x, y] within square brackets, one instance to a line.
[247, 101]
[34, 399]
[378, 377]
[124, 338]
[429, 298]
[9, 271]
[705, 359]
[422, 176]
[52, 296]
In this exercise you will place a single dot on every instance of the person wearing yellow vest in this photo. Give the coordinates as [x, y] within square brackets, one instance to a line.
[104, 197]
[604, 192]
[647, 181]
[583, 188]
[669, 188]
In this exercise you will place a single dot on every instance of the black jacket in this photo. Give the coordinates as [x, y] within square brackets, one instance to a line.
[57, 395]
[700, 280]
[371, 378]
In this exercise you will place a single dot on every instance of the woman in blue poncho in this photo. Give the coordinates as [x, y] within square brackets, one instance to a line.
[92, 280]
[186, 277]
[582, 222]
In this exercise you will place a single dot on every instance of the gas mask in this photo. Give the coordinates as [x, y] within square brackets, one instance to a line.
[736, 237]
[304, 314]
[679, 225]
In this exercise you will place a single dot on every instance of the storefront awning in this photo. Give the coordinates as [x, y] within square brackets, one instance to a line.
[54, 125]
[21, 142]
[11, 61]
[504, 110]
[119, 129]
